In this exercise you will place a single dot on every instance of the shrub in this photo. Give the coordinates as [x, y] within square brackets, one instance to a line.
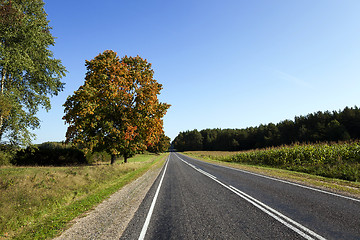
[7, 153]
[49, 154]
[98, 157]
[5, 158]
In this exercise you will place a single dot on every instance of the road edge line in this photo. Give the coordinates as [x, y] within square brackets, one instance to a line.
[281, 180]
[288, 222]
[148, 217]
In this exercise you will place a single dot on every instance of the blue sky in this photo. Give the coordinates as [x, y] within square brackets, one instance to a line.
[223, 64]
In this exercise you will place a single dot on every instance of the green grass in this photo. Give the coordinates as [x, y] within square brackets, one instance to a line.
[38, 202]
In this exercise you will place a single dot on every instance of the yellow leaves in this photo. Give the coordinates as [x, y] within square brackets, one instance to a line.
[117, 108]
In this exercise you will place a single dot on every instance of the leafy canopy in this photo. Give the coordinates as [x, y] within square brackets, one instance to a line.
[161, 146]
[117, 109]
[28, 71]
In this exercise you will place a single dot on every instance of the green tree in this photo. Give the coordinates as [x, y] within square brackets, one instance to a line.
[161, 146]
[117, 109]
[189, 141]
[28, 71]
[336, 131]
[179, 142]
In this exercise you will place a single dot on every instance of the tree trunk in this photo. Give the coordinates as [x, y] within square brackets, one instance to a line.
[1, 94]
[125, 159]
[113, 158]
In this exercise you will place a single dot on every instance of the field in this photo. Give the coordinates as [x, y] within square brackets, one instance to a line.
[340, 160]
[37, 202]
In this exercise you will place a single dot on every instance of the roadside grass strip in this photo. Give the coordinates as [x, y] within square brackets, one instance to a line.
[279, 180]
[39, 202]
[288, 222]
[296, 184]
[332, 160]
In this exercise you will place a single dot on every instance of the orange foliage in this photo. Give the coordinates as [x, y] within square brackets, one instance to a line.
[117, 108]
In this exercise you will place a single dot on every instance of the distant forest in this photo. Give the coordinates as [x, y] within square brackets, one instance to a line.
[315, 127]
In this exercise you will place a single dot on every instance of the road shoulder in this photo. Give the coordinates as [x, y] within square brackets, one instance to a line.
[110, 218]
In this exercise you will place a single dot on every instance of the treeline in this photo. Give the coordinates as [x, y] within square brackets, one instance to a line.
[60, 154]
[315, 127]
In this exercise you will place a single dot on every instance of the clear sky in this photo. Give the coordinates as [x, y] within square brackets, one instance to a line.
[223, 64]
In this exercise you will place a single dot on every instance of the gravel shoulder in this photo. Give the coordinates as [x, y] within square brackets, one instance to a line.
[110, 218]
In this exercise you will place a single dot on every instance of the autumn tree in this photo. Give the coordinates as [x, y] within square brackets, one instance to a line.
[161, 146]
[117, 109]
[29, 73]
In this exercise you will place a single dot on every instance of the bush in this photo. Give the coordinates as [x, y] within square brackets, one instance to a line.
[98, 157]
[5, 158]
[53, 145]
[7, 153]
[49, 154]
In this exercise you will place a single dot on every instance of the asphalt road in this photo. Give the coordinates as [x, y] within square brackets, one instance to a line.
[192, 199]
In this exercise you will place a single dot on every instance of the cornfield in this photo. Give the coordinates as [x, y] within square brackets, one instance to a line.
[337, 160]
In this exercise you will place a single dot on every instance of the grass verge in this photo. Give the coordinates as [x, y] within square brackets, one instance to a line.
[38, 202]
[340, 186]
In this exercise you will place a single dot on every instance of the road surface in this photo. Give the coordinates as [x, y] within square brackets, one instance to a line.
[192, 199]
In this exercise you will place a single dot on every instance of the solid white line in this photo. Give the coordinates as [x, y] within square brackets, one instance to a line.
[283, 181]
[148, 217]
[197, 169]
[251, 199]
[298, 228]
[203, 172]
[298, 231]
